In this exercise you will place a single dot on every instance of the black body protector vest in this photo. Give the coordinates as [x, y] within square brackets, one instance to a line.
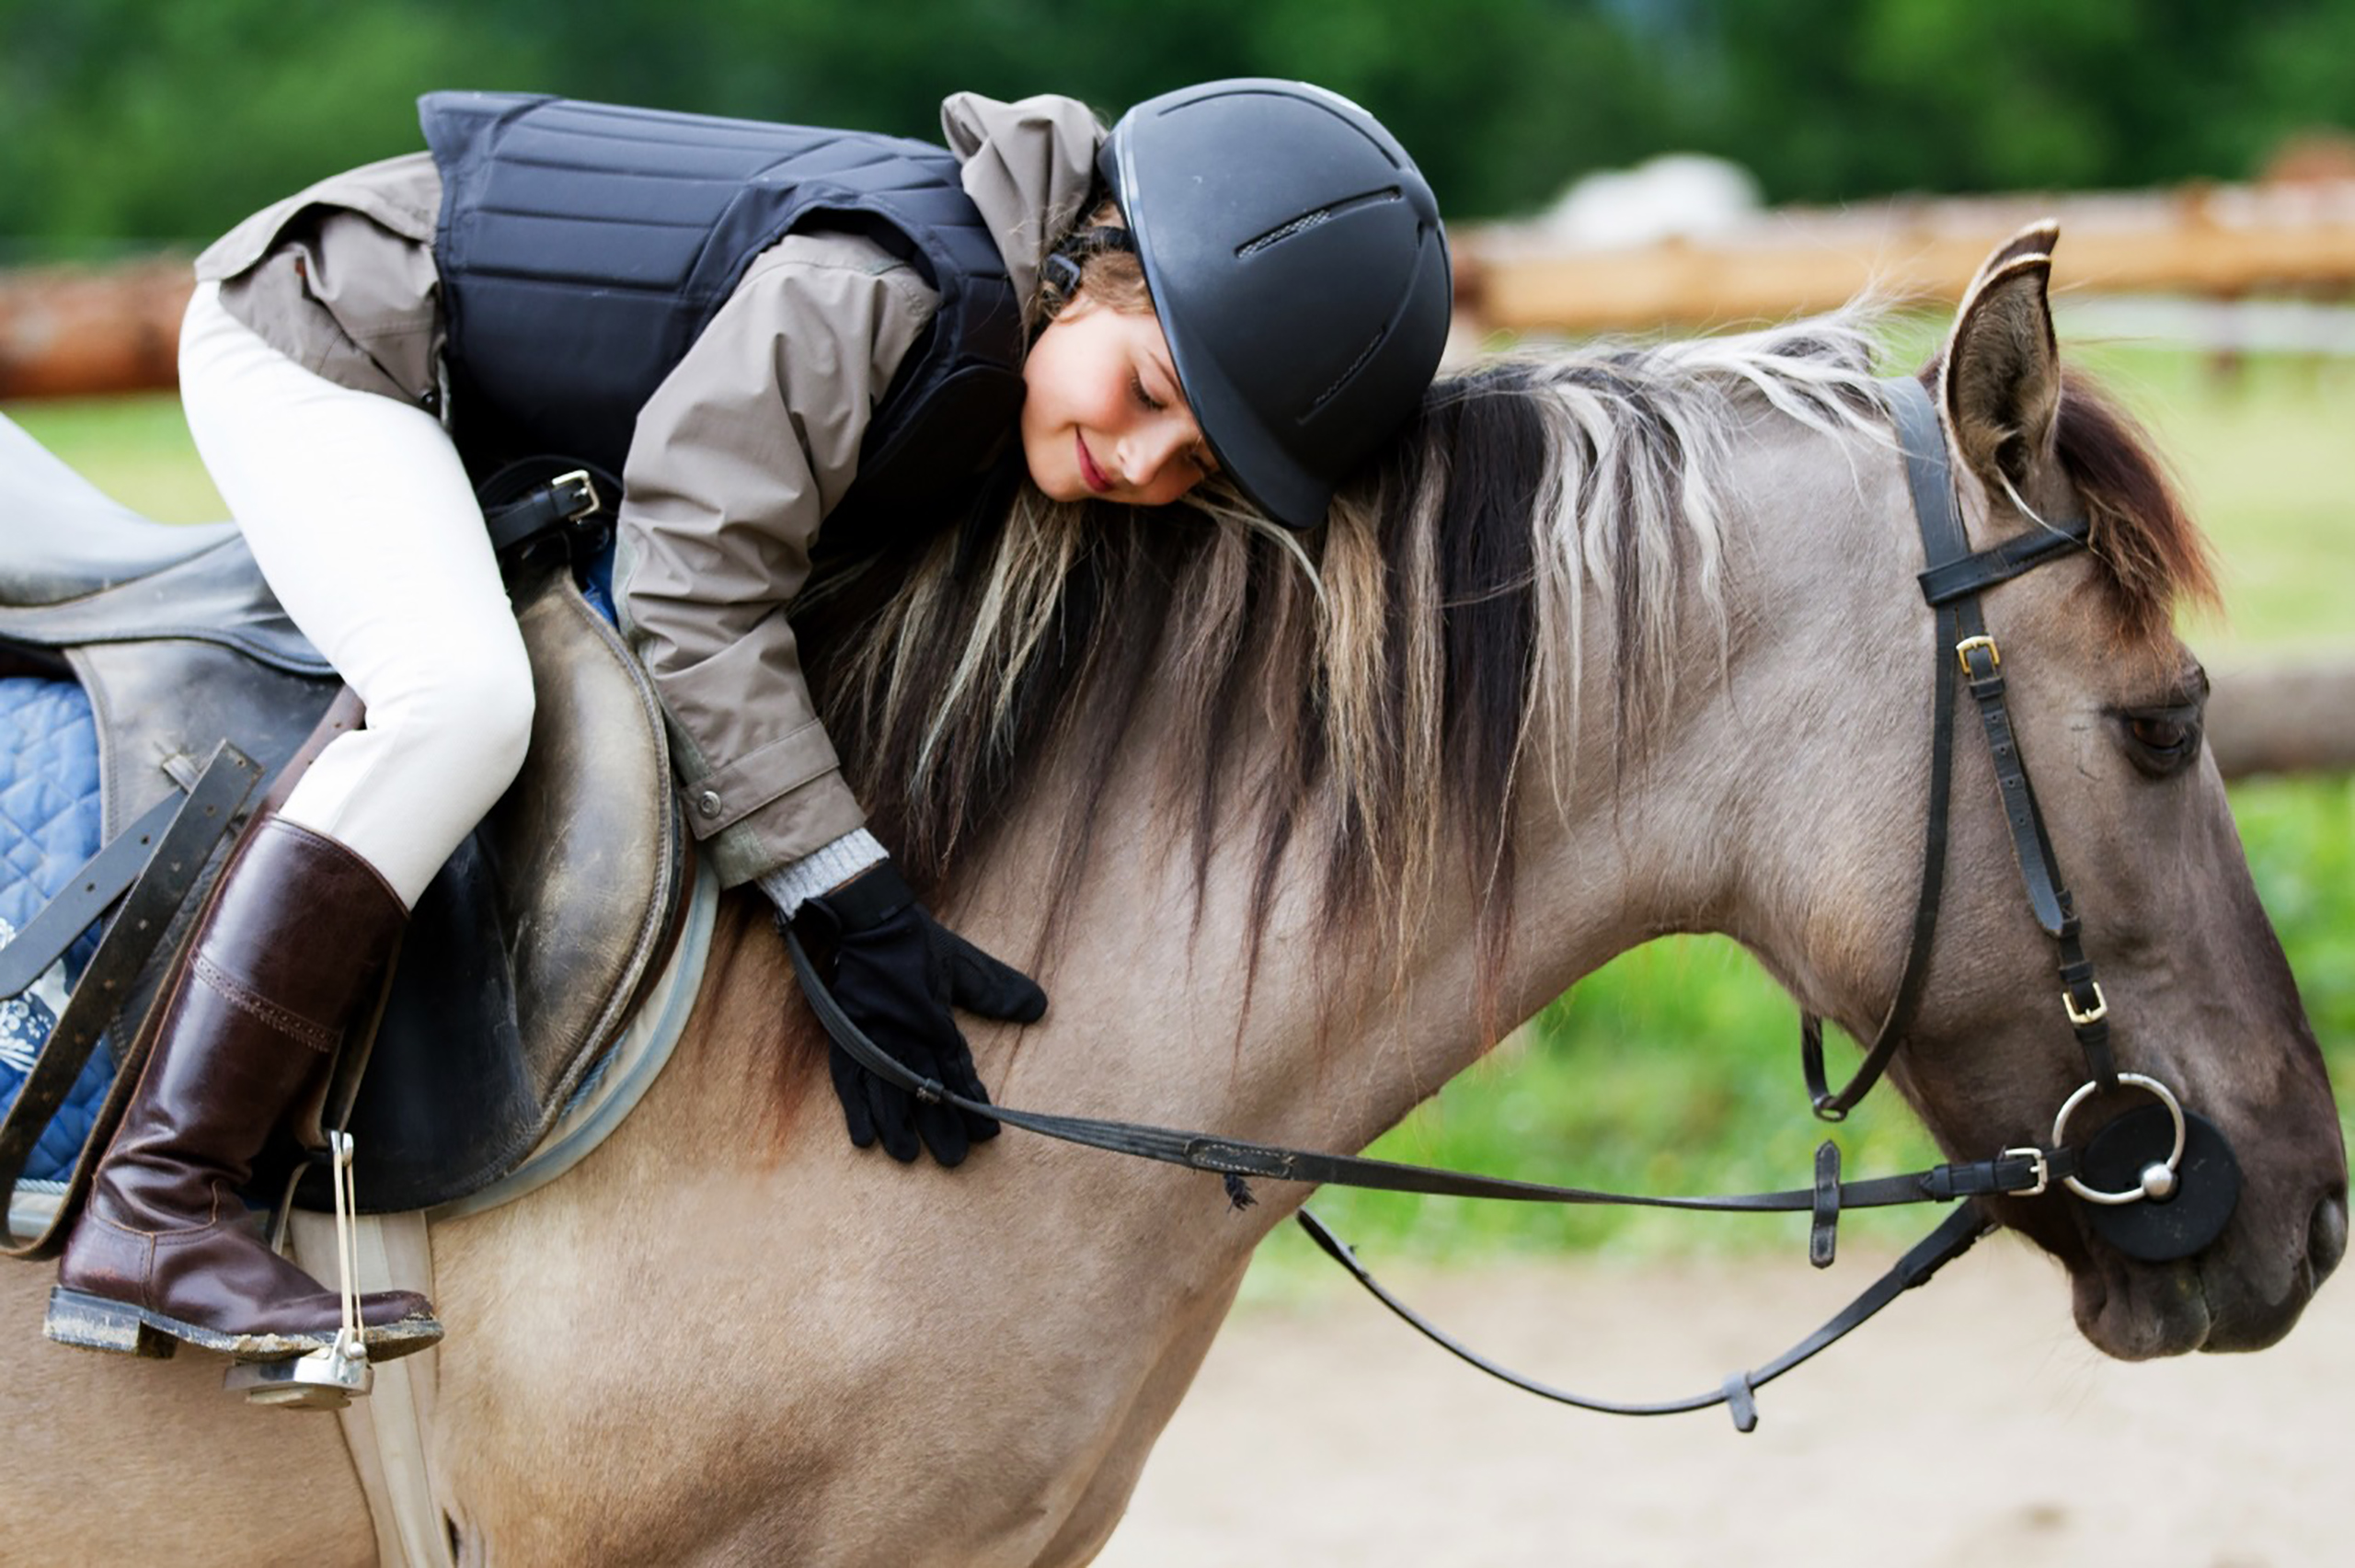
[584, 247]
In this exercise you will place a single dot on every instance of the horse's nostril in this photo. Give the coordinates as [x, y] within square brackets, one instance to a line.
[2326, 1234]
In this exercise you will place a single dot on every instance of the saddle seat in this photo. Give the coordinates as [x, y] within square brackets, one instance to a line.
[526, 954]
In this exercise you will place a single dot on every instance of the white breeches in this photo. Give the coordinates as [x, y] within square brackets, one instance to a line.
[363, 522]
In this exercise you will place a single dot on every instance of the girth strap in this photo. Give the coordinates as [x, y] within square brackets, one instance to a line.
[76, 908]
[563, 504]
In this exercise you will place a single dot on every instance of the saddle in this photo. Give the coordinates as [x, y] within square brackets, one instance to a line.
[528, 951]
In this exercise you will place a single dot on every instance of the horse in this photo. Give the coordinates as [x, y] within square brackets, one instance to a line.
[1611, 643]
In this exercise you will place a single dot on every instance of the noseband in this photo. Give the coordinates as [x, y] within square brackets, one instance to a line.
[2170, 1179]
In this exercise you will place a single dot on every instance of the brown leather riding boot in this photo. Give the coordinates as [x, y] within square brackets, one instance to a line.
[292, 946]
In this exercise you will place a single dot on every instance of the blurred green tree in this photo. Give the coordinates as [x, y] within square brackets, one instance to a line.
[128, 122]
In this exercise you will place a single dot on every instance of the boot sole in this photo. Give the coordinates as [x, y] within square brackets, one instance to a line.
[94, 1323]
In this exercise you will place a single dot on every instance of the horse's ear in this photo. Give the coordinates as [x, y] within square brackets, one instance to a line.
[1999, 381]
[2036, 239]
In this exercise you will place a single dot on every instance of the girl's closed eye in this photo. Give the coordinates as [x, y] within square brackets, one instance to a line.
[1145, 400]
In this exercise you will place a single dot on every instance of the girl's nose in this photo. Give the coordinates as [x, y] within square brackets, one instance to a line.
[1146, 452]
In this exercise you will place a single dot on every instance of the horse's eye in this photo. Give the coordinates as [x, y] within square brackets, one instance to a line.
[2162, 742]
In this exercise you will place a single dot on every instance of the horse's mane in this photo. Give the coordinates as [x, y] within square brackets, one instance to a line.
[1363, 698]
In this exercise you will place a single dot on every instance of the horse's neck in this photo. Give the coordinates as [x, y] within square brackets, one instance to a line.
[1336, 1043]
[1803, 676]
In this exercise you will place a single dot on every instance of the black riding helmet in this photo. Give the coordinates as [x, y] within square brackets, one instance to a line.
[1298, 267]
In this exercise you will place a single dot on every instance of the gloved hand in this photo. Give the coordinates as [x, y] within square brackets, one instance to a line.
[897, 973]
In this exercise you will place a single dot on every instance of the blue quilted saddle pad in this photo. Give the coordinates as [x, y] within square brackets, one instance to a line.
[49, 827]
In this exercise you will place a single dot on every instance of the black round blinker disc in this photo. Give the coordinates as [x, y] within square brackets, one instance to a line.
[2208, 1185]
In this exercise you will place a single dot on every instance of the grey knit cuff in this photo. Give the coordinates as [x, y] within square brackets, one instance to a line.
[826, 867]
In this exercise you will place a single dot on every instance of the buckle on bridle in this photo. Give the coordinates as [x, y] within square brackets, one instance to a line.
[2037, 1162]
[1982, 644]
[2094, 1014]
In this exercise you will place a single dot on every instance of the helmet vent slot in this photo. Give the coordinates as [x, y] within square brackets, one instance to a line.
[1315, 219]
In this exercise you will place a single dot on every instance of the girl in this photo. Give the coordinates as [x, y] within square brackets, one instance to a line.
[778, 336]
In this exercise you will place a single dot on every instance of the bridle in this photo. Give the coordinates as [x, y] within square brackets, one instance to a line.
[1964, 652]
[2160, 1182]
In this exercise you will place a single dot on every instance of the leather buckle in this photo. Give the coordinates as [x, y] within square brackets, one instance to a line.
[1986, 645]
[2094, 1014]
[2036, 1162]
[1822, 1236]
[576, 494]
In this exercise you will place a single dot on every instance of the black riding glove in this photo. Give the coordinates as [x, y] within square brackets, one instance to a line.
[897, 973]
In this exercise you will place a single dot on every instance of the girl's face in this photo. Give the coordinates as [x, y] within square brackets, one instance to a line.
[1103, 415]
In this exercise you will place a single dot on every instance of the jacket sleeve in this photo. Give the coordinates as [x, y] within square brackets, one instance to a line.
[738, 456]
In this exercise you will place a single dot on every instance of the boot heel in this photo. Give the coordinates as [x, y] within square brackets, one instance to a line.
[97, 1323]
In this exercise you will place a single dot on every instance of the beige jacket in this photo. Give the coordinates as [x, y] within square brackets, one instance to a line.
[738, 458]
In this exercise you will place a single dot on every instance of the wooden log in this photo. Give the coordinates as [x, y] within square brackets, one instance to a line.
[2292, 719]
[85, 333]
[2211, 240]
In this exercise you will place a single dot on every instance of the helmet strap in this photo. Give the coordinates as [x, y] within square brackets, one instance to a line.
[1062, 267]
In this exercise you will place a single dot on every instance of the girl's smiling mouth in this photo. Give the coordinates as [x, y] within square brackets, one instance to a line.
[1096, 478]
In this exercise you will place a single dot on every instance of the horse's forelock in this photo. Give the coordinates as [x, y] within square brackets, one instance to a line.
[2153, 556]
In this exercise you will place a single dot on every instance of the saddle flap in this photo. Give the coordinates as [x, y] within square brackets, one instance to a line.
[527, 952]
[529, 948]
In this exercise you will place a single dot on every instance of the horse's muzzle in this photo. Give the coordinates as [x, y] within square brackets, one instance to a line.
[2173, 1204]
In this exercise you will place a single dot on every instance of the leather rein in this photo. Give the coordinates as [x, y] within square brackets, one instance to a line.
[1965, 655]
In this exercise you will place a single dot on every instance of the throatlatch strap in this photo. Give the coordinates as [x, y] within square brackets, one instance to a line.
[1951, 582]
[1931, 485]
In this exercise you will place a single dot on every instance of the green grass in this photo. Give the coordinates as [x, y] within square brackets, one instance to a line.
[1674, 1069]
[2260, 452]
[135, 449]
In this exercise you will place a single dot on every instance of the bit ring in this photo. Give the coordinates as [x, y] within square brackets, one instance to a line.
[2085, 1093]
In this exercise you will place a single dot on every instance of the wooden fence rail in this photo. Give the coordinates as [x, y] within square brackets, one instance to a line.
[69, 332]
[2285, 719]
[2221, 240]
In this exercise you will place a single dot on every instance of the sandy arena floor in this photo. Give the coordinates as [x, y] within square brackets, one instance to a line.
[1968, 1425]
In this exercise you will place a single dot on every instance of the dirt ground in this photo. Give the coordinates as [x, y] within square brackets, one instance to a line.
[1968, 1425]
